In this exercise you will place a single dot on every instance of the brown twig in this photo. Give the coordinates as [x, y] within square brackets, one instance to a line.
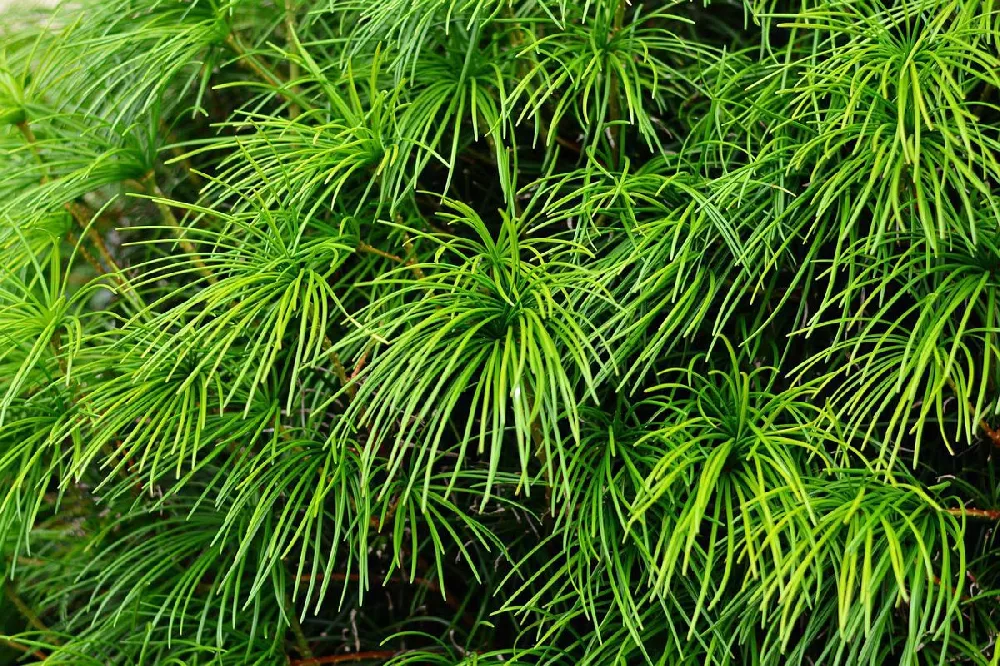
[370, 655]
[23, 608]
[985, 514]
[249, 61]
[993, 435]
[29, 137]
[30, 616]
[340, 370]
[151, 188]
[571, 145]
[80, 214]
[37, 654]
[85, 253]
[360, 365]
[410, 261]
[370, 249]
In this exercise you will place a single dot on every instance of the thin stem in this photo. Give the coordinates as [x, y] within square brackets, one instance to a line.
[23, 608]
[14, 645]
[29, 137]
[265, 74]
[80, 215]
[352, 387]
[411, 259]
[292, 46]
[370, 655]
[360, 365]
[411, 262]
[370, 249]
[614, 102]
[152, 188]
[994, 435]
[984, 514]
[85, 253]
[80, 219]
[301, 644]
[339, 369]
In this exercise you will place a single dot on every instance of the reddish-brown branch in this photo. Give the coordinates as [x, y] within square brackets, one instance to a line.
[985, 514]
[152, 189]
[80, 215]
[409, 262]
[571, 145]
[37, 654]
[348, 382]
[994, 435]
[85, 253]
[360, 365]
[370, 655]
[371, 249]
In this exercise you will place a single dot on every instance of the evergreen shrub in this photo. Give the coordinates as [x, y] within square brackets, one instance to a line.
[549, 332]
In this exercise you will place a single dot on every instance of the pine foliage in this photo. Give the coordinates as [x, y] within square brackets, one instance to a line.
[545, 332]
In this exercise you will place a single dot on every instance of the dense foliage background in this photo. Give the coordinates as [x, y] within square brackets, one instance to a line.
[475, 331]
